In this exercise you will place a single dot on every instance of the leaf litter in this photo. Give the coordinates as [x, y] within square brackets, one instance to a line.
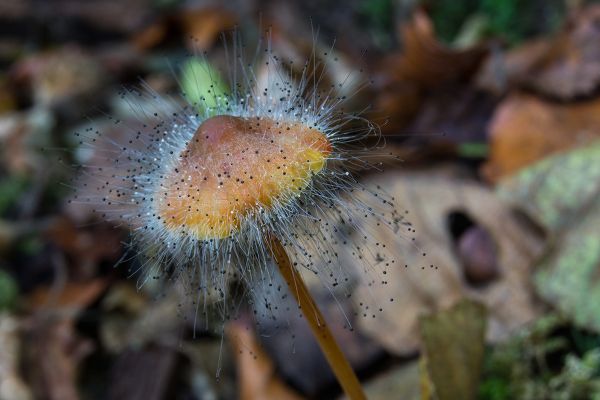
[495, 257]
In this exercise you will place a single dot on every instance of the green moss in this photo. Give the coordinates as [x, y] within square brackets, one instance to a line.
[11, 189]
[540, 363]
[8, 291]
[449, 15]
[511, 20]
[378, 17]
[495, 389]
[516, 20]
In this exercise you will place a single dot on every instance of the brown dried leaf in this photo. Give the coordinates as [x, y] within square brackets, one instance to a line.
[563, 67]
[73, 295]
[86, 247]
[427, 61]
[396, 104]
[151, 36]
[572, 67]
[328, 67]
[8, 102]
[206, 358]
[424, 63]
[203, 26]
[134, 321]
[12, 386]
[525, 129]
[22, 134]
[256, 372]
[200, 28]
[61, 76]
[454, 115]
[505, 70]
[437, 280]
[54, 352]
[143, 374]
[104, 15]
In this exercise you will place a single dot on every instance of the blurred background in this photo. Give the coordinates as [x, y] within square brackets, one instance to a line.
[492, 111]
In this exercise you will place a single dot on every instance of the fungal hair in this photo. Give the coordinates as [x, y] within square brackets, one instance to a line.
[333, 214]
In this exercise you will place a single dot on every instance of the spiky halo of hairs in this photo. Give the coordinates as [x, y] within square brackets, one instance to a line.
[315, 225]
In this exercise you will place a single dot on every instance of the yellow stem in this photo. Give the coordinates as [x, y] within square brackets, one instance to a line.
[336, 359]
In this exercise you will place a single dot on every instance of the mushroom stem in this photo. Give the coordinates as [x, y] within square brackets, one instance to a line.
[336, 359]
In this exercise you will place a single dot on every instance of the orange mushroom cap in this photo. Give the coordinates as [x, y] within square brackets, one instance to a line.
[234, 167]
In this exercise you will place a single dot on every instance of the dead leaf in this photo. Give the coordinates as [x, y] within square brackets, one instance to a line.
[256, 372]
[557, 190]
[561, 193]
[419, 284]
[323, 65]
[453, 342]
[86, 247]
[423, 63]
[203, 26]
[525, 129]
[402, 382]
[73, 295]
[151, 36]
[134, 320]
[113, 16]
[572, 67]
[144, 374]
[396, 103]
[505, 70]
[200, 28]
[564, 67]
[12, 386]
[22, 135]
[453, 116]
[426, 60]
[54, 352]
[61, 77]
[212, 368]
[123, 296]
[8, 102]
